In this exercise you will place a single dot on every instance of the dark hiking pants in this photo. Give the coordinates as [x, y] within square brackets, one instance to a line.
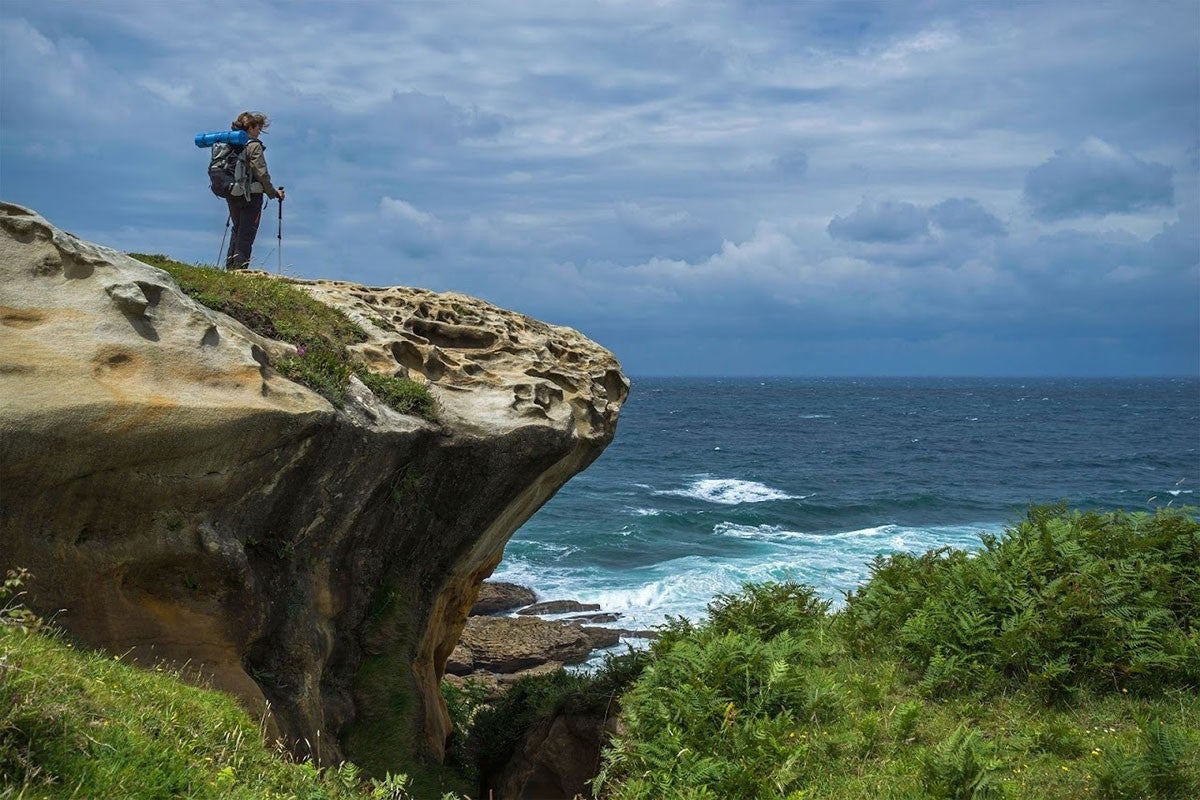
[245, 217]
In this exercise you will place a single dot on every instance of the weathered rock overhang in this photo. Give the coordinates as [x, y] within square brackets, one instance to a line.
[178, 500]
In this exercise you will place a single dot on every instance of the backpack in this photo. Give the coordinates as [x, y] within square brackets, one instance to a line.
[227, 168]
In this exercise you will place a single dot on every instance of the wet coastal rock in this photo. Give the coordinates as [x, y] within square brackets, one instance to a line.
[558, 607]
[497, 650]
[512, 644]
[497, 597]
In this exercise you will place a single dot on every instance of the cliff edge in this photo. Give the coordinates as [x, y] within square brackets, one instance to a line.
[177, 499]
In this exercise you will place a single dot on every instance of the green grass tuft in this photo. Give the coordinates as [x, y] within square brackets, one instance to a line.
[267, 305]
[327, 372]
[405, 396]
[278, 309]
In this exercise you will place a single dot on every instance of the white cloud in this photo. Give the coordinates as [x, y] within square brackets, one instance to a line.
[405, 212]
[791, 164]
[175, 94]
[417, 233]
[967, 215]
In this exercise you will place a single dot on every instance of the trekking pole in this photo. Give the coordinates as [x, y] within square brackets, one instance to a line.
[217, 263]
[279, 238]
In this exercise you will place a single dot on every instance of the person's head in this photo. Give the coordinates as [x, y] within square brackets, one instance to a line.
[251, 121]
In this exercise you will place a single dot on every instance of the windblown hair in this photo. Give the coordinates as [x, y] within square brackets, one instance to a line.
[246, 119]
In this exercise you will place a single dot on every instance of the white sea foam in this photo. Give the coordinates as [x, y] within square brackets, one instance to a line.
[1177, 492]
[645, 512]
[865, 540]
[683, 587]
[833, 562]
[755, 532]
[775, 533]
[560, 551]
[729, 491]
[645, 596]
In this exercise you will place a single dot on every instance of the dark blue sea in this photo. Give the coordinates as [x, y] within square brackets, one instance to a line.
[714, 482]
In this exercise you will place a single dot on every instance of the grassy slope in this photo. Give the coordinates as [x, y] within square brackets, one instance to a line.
[83, 724]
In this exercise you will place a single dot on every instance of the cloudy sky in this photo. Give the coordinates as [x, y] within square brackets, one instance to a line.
[797, 187]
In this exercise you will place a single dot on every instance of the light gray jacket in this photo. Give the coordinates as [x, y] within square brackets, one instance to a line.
[256, 162]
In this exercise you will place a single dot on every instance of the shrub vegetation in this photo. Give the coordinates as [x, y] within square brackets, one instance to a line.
[1061, 660]
[278, 309]
[494, 732]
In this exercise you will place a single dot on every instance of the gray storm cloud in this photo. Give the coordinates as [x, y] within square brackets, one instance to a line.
[1096, 178]
[661, 174]
[884, 222]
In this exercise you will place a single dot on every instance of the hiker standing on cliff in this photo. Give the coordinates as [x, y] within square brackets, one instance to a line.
[246, 200]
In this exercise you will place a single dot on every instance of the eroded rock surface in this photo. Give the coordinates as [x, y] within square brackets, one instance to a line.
[496, 597]
[558, 607]
[177, 499]
[509, 644]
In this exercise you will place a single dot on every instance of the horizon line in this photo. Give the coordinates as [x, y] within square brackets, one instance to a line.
[981, 376]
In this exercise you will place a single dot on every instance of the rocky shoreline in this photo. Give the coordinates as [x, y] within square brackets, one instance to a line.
[509, 636]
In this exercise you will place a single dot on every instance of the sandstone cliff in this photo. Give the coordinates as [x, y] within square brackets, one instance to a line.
[177, 499]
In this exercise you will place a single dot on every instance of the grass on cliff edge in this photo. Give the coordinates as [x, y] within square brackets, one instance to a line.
[83, 724]
[277, 309]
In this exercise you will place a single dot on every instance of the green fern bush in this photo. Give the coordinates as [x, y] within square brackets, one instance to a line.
[1153, 767]
[1061, 602]
[961, 768]
[767, 609]
[722, 712]
[1058, 661]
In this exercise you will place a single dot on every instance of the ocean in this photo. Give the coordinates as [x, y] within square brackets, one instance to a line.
[710, 483]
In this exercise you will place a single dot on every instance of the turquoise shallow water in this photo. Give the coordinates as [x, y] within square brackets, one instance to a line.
[713, 482]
